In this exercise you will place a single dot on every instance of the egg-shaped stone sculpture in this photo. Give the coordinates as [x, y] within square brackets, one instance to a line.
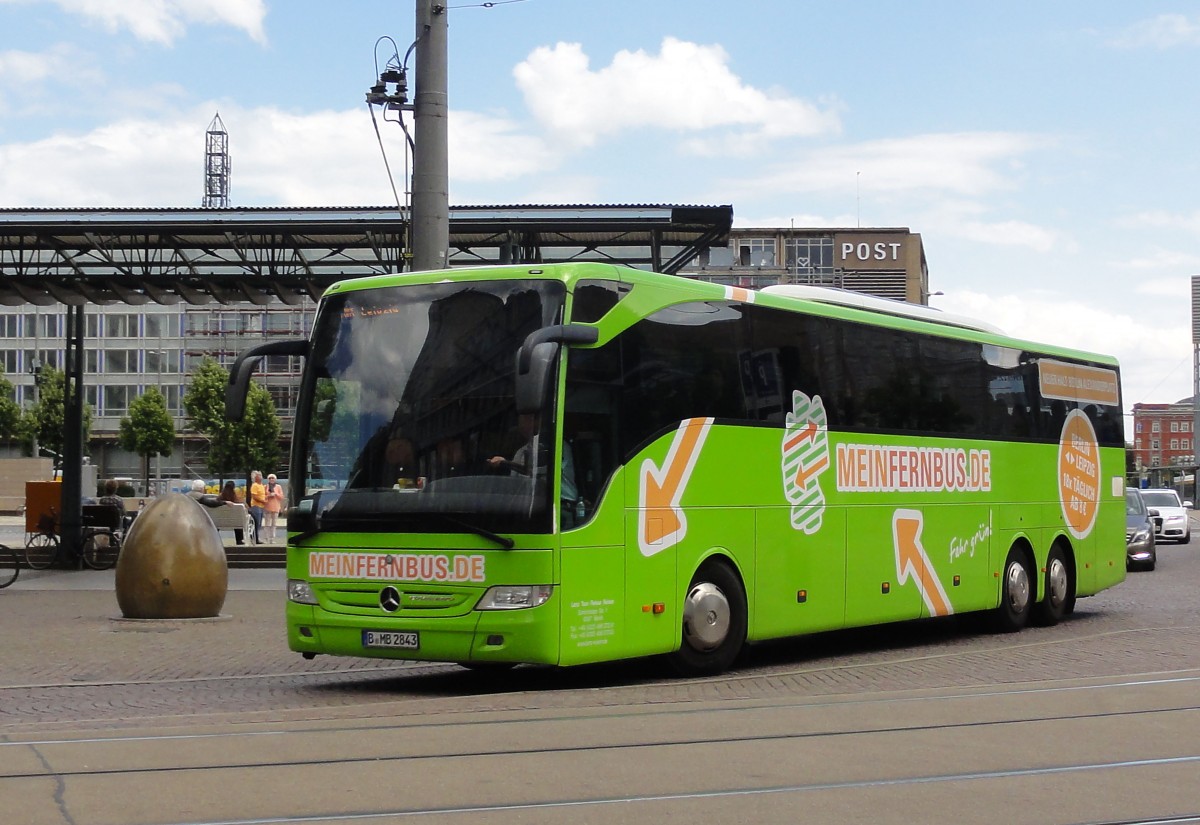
[172, 563]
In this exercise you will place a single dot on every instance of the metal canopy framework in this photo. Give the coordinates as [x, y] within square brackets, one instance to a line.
[196, 256]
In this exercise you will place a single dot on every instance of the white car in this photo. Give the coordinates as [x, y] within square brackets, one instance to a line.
[1169, 515]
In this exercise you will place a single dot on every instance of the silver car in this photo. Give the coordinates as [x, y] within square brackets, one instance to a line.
[1169, 515]
[1139, 533]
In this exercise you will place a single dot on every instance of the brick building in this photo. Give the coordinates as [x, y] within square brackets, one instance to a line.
[1163, 436]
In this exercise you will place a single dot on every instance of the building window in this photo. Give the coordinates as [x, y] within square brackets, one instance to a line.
[116, 400]
[162, 361]
[756, 252]
[120, 360]
[1174, 426]
[809, 256]
[1154, 444]
[1155, 427]
[43, 324]
[44, 358]
[162, 326]
[1139, 426]
[1174, 443]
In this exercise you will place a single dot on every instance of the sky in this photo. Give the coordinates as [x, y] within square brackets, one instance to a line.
[1045, 152]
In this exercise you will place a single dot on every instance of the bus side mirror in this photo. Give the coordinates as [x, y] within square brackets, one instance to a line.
[534, 383]
[243, 368]
[536, 357]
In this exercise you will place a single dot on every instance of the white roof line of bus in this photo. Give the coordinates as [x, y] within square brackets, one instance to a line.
[856, 300]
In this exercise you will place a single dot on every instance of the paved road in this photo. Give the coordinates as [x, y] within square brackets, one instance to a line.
[109, 721]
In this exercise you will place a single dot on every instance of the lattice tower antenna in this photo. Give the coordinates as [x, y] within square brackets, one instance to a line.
[216, 165]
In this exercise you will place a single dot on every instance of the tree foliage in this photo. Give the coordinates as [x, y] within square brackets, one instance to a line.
[10, 411]
[45, 420]
[234, 448]
[148, 430]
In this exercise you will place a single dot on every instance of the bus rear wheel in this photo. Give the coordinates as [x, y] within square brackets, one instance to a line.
[1016, 594]
[714, 622]
[1059, 587]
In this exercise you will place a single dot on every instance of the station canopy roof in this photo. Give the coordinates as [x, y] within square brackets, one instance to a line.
[260, 255]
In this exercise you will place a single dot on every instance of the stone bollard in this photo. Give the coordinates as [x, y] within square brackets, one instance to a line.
[172, 563]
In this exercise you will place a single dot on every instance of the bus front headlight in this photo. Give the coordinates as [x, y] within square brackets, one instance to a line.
[301, 592]
[515, 596]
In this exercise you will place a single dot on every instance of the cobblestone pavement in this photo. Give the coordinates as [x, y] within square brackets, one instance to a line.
[66, 658]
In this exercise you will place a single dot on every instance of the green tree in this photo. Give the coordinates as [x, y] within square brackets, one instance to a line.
[256, 440]
[46, 419]
[10, 411]
[250, 444]
[148, 430]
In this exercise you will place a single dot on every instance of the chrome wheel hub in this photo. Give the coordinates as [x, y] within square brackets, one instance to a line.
[1017, 587]
[706, 617]
[1056, 582]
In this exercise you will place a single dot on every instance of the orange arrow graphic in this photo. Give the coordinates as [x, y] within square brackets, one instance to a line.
[662, 522]
[806, 433]
[805, 473]
[912, 561]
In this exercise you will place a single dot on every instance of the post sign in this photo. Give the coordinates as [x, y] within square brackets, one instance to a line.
[864, 250]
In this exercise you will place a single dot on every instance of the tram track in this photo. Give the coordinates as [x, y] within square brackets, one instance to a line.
[643, 717]
[816, 739]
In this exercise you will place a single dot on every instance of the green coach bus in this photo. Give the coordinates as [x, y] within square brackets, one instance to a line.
[577, 463]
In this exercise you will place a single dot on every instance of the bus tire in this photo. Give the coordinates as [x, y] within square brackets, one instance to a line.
[1016, 593]
[714, 622]
[1059, 588]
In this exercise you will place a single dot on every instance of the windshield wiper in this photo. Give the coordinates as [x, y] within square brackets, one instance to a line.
[503, 541]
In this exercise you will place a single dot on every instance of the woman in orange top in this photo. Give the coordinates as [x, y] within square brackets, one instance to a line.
[258, 503]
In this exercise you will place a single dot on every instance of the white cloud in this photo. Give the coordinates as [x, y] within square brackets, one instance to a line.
[25, 77]
[1163, 260]
[489, 148]
[18, 68]
[966, 219]
[1010, 233]
[1162, 32]
[1172, 288]
[277, 158]
[686, 87]
[962, 163]
[1187, 222]
[164, 21]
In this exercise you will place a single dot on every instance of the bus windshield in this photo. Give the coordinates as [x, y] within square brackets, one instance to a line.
[407, 420]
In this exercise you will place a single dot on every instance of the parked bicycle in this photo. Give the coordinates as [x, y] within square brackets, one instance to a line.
[102, 536]
[10, 566]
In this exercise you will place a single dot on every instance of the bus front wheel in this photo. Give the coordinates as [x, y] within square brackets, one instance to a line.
[714, 622]
[1016, 594]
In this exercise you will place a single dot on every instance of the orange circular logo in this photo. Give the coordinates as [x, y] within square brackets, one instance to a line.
[1079, 474]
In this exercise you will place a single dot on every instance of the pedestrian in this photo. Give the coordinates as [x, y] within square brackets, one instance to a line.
[273, 507]
[111, 499]
[258, 503]
[229, 495]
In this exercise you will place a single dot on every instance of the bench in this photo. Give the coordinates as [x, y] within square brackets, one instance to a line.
[103, 517]
[232, 517]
